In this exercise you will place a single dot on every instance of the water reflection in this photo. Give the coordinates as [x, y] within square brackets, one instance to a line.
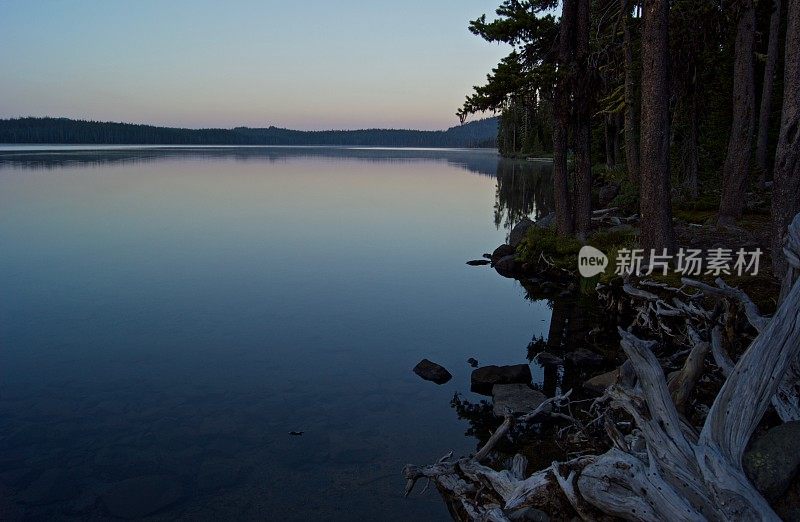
[524, 188]
[168, 316]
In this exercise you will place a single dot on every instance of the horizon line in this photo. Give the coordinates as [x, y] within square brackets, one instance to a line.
[9, 118]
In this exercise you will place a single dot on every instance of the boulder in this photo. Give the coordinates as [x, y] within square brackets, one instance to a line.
[548, 359]
[142, 496]
[478, 262]
[515, 398]
[430, 371]
[484, 378]
[529, 514]
[546, 221]
[501, 252]
[472, 361]
[519, 231]
[584, 357]
[772, 461]
[599, 383]
[607, 194]
[506, 264]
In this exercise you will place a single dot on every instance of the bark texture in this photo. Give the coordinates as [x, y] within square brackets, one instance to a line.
[631, 104]
[561, 118]
[656, 221]
[786, 186]
[766, 90]
[736, 169]
[583, 125]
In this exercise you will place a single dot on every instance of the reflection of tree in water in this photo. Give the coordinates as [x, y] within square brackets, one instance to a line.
[523, 188]
[575, 323]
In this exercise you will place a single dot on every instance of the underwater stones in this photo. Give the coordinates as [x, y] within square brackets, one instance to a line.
[430, 371]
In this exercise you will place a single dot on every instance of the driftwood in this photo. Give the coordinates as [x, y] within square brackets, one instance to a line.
[678, 473]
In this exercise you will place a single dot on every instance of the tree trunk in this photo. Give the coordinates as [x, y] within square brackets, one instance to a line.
[608, 135]
[786, 186]
[690, 157]
[561, 119]
[656, 209]
[766, 91]
[736, 169]
[583, 132]
[631, 107]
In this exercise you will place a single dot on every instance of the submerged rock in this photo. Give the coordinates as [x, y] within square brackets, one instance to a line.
[472, 361]
[515, 398]
[478, 262]
[141, 496]
[773, 460]
[430, 371]
[519, 231]
[599, 383]
[548, 359]
[484, 378]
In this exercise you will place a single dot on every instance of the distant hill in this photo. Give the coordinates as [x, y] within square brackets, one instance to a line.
[480, 133]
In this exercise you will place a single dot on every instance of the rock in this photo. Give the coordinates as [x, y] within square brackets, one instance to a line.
[141, 496]
[506, 264]
[773, 460]
[484, 378]
[515, 398]
[622, 229]
[607, 194]
[430, 371]
[473, 362]
[519, 231]
[547, 221]
[548, 359]
[478, 262]
[584, 357]
[788, 505]
[501, 252]
[529, 514]
[599, 383]
[487, 256]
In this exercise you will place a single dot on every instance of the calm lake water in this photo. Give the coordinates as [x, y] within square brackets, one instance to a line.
[169, 315]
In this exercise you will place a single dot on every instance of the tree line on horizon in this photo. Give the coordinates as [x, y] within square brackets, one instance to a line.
[480, 133]
[692, 100]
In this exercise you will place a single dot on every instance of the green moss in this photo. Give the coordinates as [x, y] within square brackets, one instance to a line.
[563, 252]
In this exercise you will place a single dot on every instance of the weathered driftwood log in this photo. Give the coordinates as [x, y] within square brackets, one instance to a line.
[681, 474]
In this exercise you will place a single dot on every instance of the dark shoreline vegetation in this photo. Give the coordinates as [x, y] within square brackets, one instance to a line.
[672, 125]
[481, 133]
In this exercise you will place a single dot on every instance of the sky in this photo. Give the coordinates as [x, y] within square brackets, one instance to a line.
[314, 64]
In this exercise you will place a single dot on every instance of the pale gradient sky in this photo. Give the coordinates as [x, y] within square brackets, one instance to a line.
[310, 65]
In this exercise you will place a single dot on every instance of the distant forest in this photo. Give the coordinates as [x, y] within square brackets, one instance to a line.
[480, 133]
